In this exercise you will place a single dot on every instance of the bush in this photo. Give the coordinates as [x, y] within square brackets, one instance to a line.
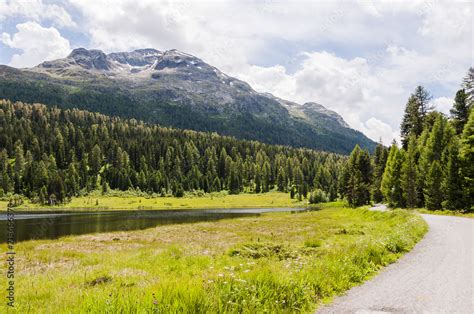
[318, 196]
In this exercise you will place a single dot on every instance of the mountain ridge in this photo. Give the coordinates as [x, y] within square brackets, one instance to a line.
[177, 89]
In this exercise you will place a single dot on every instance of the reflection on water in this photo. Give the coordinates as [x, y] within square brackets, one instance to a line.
[52, 225]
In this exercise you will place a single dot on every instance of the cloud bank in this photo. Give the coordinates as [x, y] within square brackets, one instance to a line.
[359, 58]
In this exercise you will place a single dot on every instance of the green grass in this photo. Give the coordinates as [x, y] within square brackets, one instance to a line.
[97, 201]
[278, 262]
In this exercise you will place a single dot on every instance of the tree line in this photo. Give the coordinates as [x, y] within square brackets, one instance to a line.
[433, 168]
[51, 155]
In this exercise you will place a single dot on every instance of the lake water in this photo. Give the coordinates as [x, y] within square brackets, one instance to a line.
[52, 225]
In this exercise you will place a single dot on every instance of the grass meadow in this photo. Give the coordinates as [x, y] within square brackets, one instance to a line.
[278, 262]
[118, 201]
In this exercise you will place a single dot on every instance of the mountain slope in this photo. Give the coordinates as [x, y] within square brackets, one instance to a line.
[176, 89]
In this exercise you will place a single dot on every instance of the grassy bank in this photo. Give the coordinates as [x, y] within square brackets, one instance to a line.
[97, 201]
[279, 262]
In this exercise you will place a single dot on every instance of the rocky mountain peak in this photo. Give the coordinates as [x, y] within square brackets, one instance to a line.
[136, 58]
[178, 89]
[90, 59]
[320, 109]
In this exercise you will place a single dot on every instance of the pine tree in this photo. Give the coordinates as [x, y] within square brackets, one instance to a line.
[379, 161]
[433, 192]
[468, 84]
[298, 179]
[358, 179]
[452, 180]
[222, 163]
[412, 123]
[466, 158]
[416, 110]
[216, 185]
[409, 174]
[5, 179]
[387, 180]
[234, 183]
[281, 180]
[435, 144]
[19, 159]
[423, 98]
[460, 111]
[95, 160]
[391, 180]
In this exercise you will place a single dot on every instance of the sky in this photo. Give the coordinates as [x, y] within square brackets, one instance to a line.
[362, 59]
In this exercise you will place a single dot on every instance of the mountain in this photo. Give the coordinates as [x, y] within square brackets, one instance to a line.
[176, 89]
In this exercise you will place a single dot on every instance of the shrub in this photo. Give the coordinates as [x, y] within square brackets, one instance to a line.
[318, 196]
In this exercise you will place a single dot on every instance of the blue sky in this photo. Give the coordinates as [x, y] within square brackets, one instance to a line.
[359, 58]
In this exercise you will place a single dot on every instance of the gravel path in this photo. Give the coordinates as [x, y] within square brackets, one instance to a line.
[435, 277]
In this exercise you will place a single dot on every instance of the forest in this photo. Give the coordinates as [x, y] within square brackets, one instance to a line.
[50, 155]
[433, 168]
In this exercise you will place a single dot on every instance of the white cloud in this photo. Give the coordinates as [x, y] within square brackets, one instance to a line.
[360, 58]
[37, 11]
[369, 91]
[443, 104]
[376, 129]
[36, 43]
[346, 86]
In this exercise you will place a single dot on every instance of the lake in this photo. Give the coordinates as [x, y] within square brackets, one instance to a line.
[55, 224]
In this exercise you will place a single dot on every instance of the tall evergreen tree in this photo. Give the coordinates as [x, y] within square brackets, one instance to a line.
[468, 84]
[412, 123]
[460, 111]
[437, 141]
[409, 174]
[281, 180]
[358, 177]
[452, 180]
[433, 192]
[234, 182]
[423, 98]
[416, 110]
[391, 180]
[466, 158]
[379, 161]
